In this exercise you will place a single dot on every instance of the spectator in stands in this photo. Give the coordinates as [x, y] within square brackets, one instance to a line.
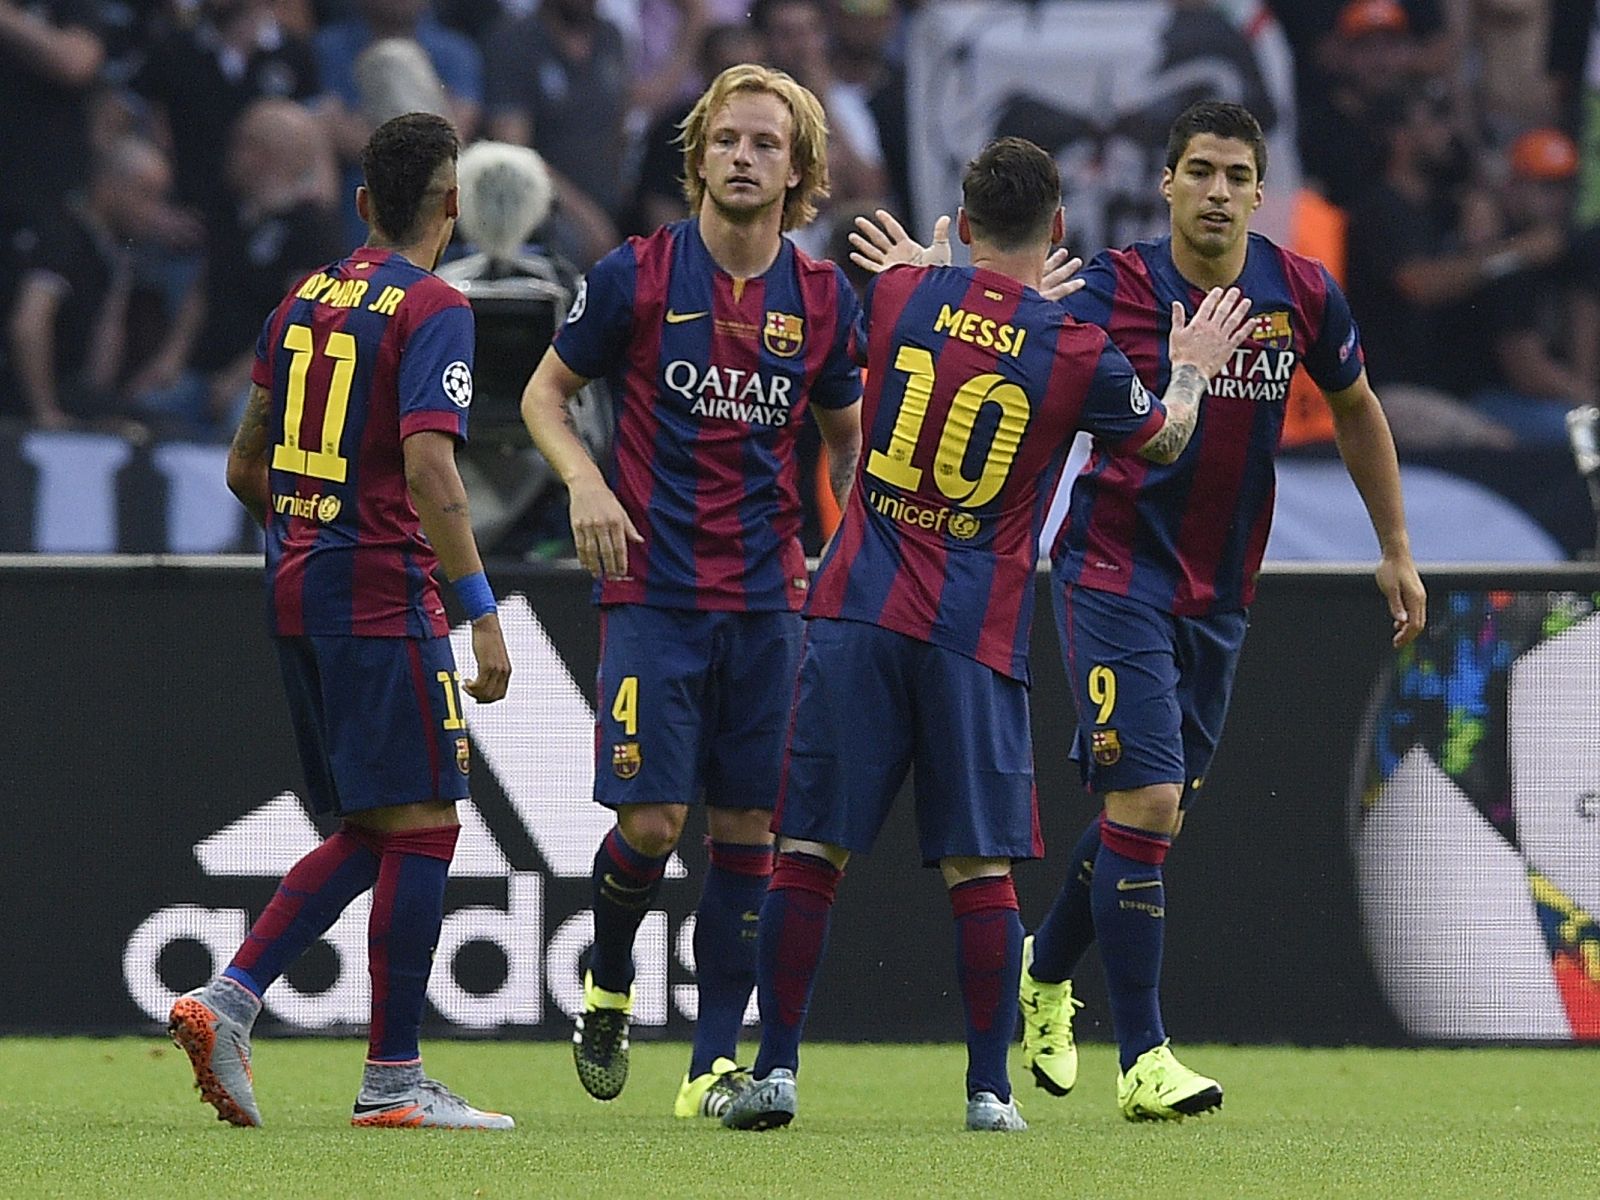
[50, 54]
[69, 328]
[278, 225]
[1371, 54]
[659, 197]
[1506, 51]
[560, 81]
[201, 77]
[455, 59]
[1407, 265]
[1532, 319]
[796, 33]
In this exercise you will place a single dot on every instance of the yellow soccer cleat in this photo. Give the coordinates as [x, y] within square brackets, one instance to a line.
[1047, 1046]
[710, 1094]
[1160, 1088]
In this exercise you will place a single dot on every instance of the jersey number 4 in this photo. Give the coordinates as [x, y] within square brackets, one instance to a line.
[893, 465]
[288, 455]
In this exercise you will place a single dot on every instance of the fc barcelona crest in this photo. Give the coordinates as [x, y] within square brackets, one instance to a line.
[1273, 328]
[463, 755]
[1106, 746]
[783, 334]
[625, 759]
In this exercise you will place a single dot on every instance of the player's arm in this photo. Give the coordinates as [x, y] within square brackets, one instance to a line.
[601, 529]
[441, 503]
[247, 456]
[1197, 350]
[841, 441]
[1361, 432]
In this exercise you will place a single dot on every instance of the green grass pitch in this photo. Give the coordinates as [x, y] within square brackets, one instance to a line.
[84, 1118]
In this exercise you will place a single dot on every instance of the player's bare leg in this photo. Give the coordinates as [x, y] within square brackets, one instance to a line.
[628, 869]
[988, 964]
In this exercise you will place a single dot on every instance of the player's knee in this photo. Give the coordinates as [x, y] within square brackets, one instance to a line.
[964, 869]
[652, 829]
[741, 826]
[1154, 808]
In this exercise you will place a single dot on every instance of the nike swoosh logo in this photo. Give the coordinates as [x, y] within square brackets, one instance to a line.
[1128, 885]
[677, 318]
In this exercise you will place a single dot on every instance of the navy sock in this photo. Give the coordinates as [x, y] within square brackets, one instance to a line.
[989, 964]
[725, 948]
[1130, 917]
[309, 900]
[794, 933]
[1068, 928]
[625, 882]
[407, 913]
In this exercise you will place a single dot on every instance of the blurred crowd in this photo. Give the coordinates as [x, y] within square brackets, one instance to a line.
[173, 164]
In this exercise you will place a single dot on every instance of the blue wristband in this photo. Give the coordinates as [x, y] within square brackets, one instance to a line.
[475, 595]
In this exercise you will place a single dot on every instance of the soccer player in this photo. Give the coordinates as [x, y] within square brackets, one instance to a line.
[717, 335]
[917, 648]
[346, 454]
[1155, 569]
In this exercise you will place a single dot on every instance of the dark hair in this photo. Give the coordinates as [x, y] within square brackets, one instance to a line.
[1221, 118]
[399, 162]
[1011, 191]
[761, 12]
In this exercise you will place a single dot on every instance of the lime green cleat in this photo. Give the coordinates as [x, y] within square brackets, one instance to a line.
[710, 1094]
[1160, 1088]
[600, 1041]
[1047, 1046]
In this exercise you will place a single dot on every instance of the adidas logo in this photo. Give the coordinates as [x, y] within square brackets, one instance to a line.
[539, 744]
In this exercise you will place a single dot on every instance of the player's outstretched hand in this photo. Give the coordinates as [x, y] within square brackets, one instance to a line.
[884, 244]
[1408, 599]
[494, 664]
[601, 529]
[1059, 269]
[1208, 339]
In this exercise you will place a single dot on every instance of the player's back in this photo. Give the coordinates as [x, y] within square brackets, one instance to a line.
[1189, 537]
[975, 385]
[358, 356]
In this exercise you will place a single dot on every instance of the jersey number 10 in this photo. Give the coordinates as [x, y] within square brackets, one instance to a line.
[894, 465]
[326, 462]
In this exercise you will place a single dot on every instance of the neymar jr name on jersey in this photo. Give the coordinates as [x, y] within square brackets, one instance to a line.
[348, 293]
[983, 332]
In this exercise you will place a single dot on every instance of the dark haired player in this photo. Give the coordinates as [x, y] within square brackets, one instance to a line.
[1154, 570]
[917, 647]
[346, 454]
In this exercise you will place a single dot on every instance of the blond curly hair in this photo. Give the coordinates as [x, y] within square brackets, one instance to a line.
[808, 137]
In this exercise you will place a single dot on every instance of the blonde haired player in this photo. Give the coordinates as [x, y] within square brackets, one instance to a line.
[716, 335]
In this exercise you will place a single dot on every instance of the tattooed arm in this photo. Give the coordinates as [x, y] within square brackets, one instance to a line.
[841, 441]
[247, 457]
[1198, 348]
[1182, 402]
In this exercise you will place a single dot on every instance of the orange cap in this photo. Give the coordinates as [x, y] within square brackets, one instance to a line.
[1545, 154]
[1361, 17]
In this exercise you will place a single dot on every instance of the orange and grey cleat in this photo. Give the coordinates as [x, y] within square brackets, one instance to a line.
[218, 1047]
[427, 1105]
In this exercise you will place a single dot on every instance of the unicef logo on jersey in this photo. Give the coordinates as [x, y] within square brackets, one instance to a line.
[457, 383]
[579, 302]
[1138, 399]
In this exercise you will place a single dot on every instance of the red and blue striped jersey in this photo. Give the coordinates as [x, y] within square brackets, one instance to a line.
[1188, 538]
[975, 387]
[357, 357]
[710, 377]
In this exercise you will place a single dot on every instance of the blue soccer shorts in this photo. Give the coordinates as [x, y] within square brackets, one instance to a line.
[1151, 688]
[378, 720]
[873, 704]
[693, 705]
